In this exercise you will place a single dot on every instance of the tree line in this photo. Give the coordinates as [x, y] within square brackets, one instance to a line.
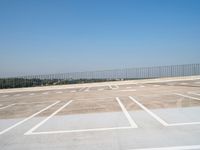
[21, 82]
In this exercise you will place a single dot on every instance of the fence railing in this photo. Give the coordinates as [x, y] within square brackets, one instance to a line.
[97, 76]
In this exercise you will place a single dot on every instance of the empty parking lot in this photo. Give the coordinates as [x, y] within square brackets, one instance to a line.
[125, 115]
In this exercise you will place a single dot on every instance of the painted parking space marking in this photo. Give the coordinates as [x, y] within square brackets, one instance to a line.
[191, 147]
[77, 130]
[7, 106]
[130, 120]
[28, 118]
[164, 123]
[17, 95]
[191, 97]
[110, 87]
[194, 93]
[184, 123]
[113, 87]
[59, 92]
[124, 111]
[159, 119]
[46, 119]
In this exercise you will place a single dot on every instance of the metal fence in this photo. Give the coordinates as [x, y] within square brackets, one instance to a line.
[131, 73]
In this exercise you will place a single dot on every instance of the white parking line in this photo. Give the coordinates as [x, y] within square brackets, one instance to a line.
[31, 131]
[191, 97]
[113, 87]
[26, 119]
[130, 120]
[142, 86]
[191, 147]
[164, 123]
[195, 93]
[59, 92]
[101, 98]
[110, 87]
[197, 82]
[17, 95]
[45, 120]
[76, 131]
[184, 123]
[7, 106]
[149, 112]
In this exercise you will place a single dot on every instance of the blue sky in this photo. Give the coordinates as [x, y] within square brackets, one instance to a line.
[50, 36]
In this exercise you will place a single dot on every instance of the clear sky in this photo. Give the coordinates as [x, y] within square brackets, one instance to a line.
[53, 36]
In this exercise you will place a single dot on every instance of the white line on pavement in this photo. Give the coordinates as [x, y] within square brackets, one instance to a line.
[191, 97]
[46, 119]
[110, 87]
[76, 131]
[113, 87]
[130, 120]
[191, 147]
[149, 112]
[26, 119]
[185, 123]
[7, 106]
[195, 93]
